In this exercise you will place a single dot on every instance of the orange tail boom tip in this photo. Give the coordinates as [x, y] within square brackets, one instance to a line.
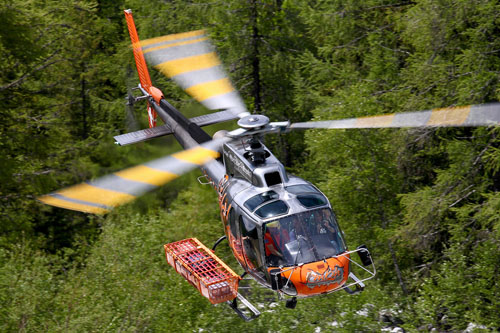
[157, 94]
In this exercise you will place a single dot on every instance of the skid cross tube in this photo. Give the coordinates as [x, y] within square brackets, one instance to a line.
[234, 305]
[218, 242]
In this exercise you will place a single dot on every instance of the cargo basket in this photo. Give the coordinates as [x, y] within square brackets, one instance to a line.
[203, 269]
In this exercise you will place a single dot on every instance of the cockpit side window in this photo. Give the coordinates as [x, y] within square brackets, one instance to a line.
[232, 223]
[251, 246]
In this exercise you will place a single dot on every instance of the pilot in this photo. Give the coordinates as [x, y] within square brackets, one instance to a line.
[322, 222]
[325, 227]
[296, 229]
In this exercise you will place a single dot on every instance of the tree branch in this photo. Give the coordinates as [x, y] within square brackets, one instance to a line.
[46, 64]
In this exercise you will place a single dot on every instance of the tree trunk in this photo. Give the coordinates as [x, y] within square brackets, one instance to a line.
[255, 59]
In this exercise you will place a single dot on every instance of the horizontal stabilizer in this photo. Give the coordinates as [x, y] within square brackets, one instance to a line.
[213, 118]
[142, 135]
[155, 132]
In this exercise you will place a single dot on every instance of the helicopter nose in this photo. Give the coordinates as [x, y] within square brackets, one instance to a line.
[319, 277]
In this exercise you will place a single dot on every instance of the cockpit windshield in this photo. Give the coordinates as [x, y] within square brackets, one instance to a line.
[301, 238]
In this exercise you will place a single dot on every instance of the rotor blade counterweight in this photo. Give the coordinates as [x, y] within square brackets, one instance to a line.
[471, 115]
[103, 194]
[191, 61]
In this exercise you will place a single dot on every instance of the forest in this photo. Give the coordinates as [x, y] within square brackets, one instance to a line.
[426, 201]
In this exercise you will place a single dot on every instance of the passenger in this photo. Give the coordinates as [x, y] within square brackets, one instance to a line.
[272, 245]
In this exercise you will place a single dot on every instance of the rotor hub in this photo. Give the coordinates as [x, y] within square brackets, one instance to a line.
[253, 121]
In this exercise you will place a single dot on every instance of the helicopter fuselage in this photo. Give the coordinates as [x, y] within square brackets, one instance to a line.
[281, 228]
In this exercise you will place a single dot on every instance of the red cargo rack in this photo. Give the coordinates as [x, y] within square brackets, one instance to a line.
[203, 269]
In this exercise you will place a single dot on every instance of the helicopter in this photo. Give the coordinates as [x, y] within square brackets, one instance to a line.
[281, 228]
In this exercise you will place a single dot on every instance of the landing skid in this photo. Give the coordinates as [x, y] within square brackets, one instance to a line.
[248, 314]
[360, 286]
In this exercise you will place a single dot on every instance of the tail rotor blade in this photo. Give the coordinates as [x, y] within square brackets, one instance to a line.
[471, 115]
[131, 120]
[103, 194]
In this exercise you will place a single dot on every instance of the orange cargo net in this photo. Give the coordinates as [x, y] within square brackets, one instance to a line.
[203, 269]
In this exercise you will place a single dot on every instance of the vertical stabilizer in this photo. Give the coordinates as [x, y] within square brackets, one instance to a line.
[140, 62]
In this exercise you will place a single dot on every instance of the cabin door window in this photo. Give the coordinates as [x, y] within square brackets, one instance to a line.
[251, 247]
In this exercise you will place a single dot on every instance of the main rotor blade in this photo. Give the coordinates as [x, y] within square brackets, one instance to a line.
[471, 115]
[103, 194]
[191, 61]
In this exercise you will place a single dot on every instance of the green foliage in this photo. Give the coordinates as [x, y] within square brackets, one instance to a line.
[29, 280]
[412, 196]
